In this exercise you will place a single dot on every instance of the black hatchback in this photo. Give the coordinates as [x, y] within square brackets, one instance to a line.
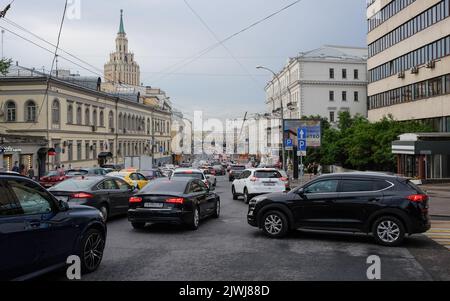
[38, 233]
[178, 200]
[388, 207]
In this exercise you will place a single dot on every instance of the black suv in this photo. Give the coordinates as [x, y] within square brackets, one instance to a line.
[39, 233]
[387, 206]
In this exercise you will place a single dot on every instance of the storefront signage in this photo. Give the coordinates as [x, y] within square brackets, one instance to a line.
[9, 149]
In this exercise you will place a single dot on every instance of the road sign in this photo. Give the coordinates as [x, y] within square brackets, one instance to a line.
[289, 145]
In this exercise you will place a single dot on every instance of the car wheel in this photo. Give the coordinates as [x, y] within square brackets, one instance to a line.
[247, 197]
[233, 191]
[92, 246]
[388, 231]
[195, 221]
[105, 213]
[217, 210]
[138, 226]
[275, 224]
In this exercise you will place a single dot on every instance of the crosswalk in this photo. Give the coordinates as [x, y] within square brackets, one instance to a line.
[440, 233]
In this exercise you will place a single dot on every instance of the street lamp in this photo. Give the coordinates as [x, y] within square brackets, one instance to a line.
[282, 113]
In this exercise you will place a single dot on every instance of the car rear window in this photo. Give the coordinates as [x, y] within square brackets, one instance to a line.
[237, 167]
[269, 174]
[194, 175]
[74, 185]
[77, 172]
[357, 185]
[414, 187]
[164, 187]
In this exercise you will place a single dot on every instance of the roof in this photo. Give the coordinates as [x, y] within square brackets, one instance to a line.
[368, 174]
[336, 52]
[121, 27]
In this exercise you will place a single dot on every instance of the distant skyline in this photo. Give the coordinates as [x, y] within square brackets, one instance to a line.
[162, 33]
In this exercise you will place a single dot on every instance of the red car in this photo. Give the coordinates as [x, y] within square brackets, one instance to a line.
[52, 178]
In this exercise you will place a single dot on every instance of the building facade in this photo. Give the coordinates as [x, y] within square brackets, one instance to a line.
[322, 82]
[80, 125]
[409, 61]
[122, 68]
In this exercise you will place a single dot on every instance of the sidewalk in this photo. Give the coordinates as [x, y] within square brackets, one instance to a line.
[439, 196]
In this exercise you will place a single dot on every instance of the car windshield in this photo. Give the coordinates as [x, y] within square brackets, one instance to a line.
[164, 187]
[268, 174]
[74, 185]
[53, 173]
[195, 175]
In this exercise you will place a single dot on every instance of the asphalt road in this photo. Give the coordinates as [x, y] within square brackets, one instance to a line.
[228, 249]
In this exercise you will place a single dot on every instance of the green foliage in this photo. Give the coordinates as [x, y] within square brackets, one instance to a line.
[358, 144]
[4, 65]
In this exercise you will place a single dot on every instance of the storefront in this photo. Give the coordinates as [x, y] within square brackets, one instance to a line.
[424, 156]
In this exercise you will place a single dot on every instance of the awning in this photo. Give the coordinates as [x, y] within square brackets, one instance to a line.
[105, 155]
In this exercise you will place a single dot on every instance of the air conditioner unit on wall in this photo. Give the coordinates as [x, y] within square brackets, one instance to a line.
[401, 74]
[415, 70]
[431, 64]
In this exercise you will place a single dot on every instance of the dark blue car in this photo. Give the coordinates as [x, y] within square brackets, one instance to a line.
[38, 233]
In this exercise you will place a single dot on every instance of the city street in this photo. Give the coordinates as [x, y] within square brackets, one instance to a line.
[229, 249]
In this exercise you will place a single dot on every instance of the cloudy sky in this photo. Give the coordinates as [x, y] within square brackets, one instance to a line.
[164, 33]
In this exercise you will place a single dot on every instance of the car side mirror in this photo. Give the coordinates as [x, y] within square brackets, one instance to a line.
[301, 192]
[63, 206]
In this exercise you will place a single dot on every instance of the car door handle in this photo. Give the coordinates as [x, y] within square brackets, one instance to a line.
[375, 200]
[33, 225]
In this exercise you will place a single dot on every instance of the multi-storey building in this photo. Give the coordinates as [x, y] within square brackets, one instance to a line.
[322, 82]
[409, 76]
[80, 126]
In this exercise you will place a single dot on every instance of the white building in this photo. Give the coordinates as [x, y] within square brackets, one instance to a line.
[324, 82]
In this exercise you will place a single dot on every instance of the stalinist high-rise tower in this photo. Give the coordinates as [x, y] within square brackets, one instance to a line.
[122, 68]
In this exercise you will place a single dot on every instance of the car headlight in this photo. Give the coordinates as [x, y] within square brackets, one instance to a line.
[256, 200]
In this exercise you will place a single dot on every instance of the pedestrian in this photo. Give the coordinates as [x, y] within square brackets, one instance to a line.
[22, 170]
[16, 167]
[319, 169]
[31, 173]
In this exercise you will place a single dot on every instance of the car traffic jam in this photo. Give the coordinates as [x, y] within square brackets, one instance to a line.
[68, 211]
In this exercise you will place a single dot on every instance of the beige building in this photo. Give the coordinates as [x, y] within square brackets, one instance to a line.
[409, 79]
[122, 68]
[81, 125]
[409, 61]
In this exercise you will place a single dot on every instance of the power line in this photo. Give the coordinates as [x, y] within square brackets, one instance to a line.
[201, 53]
[45, 99]
[218, 40]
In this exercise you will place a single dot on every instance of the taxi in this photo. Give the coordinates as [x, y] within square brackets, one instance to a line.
[132, 177]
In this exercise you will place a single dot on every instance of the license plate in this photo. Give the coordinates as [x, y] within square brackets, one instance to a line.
[153, 205]
[269, 184]
[62, 198]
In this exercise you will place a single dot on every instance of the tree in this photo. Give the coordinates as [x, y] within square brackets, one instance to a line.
[4, 65]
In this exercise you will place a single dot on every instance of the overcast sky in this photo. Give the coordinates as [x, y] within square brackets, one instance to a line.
[162, 33]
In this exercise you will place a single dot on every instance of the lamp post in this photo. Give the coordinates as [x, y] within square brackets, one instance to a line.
[282, 114]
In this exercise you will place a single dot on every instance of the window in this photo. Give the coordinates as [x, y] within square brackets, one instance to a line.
[435, 86]
[94, 117]
[102, 118]
[11, 111]
[32, 199]
[87, 151]
[344, 95]
[7, 205]
[122, 185]
[356, 74]
[331, 73]
[30, 111]
[94, 150]
[55, 112]
[331, 95]
[79, 150]
[447, 84]
[327, 186]
[79, 117]
[87, 117]
[356, 96]
[70, 150]
[332, 117]
[111, 120]
[109, 184]
[344, 73]
[357, 185]
[70, 114]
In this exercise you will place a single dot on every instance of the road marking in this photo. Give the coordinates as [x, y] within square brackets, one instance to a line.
[440, 233]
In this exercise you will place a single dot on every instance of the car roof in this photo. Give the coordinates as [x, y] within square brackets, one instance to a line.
[362, 174]
[188, 170]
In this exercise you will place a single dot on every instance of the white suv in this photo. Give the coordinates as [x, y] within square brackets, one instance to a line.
[253, 182]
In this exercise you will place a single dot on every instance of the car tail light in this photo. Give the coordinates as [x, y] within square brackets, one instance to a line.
[284, 179]
[178, 201]
[81, 195]
[418, 198]
[134, 200]
[253, 179]
[61, 178]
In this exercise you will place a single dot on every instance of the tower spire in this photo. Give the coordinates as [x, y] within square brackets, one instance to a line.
[121, 27]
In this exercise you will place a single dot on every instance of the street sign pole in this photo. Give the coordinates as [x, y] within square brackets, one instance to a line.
[302, 135]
